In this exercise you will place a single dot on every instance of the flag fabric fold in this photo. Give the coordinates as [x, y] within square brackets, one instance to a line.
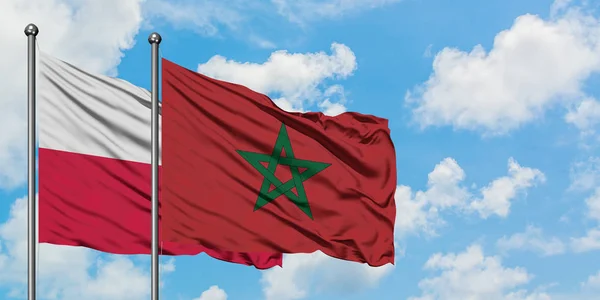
[241, 174]
[94, 166]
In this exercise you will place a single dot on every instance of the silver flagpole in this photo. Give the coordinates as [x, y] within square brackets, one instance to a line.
[154, 40]
[31, 32]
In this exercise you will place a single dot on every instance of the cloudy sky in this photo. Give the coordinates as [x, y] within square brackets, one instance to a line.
[494, 110]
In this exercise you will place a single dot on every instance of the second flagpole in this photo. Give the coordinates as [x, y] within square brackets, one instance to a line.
[31, 32]
[154, 39]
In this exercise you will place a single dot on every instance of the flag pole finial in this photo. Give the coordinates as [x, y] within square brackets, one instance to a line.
[31, 29]
[154, 38]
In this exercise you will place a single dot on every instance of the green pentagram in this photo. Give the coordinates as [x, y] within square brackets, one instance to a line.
[311, 168]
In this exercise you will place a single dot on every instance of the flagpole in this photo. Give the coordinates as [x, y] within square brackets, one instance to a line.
[31, 31]
[154, 39]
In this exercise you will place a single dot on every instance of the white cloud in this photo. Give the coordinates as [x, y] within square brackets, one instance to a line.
[585, 175]
[334, 101]
[215, 17]
[262, 42]
[309, 10]
[296, 79]
[213, 293]
[532, 239]
[535, 295]
[589, 290]
[443, 184]
[209, 17]
[331, 109]
[168, 266]
[586, 115]
[533, 66]
[316, 272]
[593, 282]
[559, 6]
[420, 211]
[201, 16]
[487, 278]
[589, 242]
[593, 205]
[427, 53]
[68, 272]
[91, 34]
[497, 195]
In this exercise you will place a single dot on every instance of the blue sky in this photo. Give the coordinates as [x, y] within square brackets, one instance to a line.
[494, 112]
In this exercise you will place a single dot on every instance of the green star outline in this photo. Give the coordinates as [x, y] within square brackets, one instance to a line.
[297, 181]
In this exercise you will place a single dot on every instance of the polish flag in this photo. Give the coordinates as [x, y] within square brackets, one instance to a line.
[94, 166]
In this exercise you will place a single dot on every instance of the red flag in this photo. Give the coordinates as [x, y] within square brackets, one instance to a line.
[94, 164]
[241, 174]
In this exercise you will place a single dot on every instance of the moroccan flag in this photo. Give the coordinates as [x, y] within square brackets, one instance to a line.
[243, 175]
[94, 166]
